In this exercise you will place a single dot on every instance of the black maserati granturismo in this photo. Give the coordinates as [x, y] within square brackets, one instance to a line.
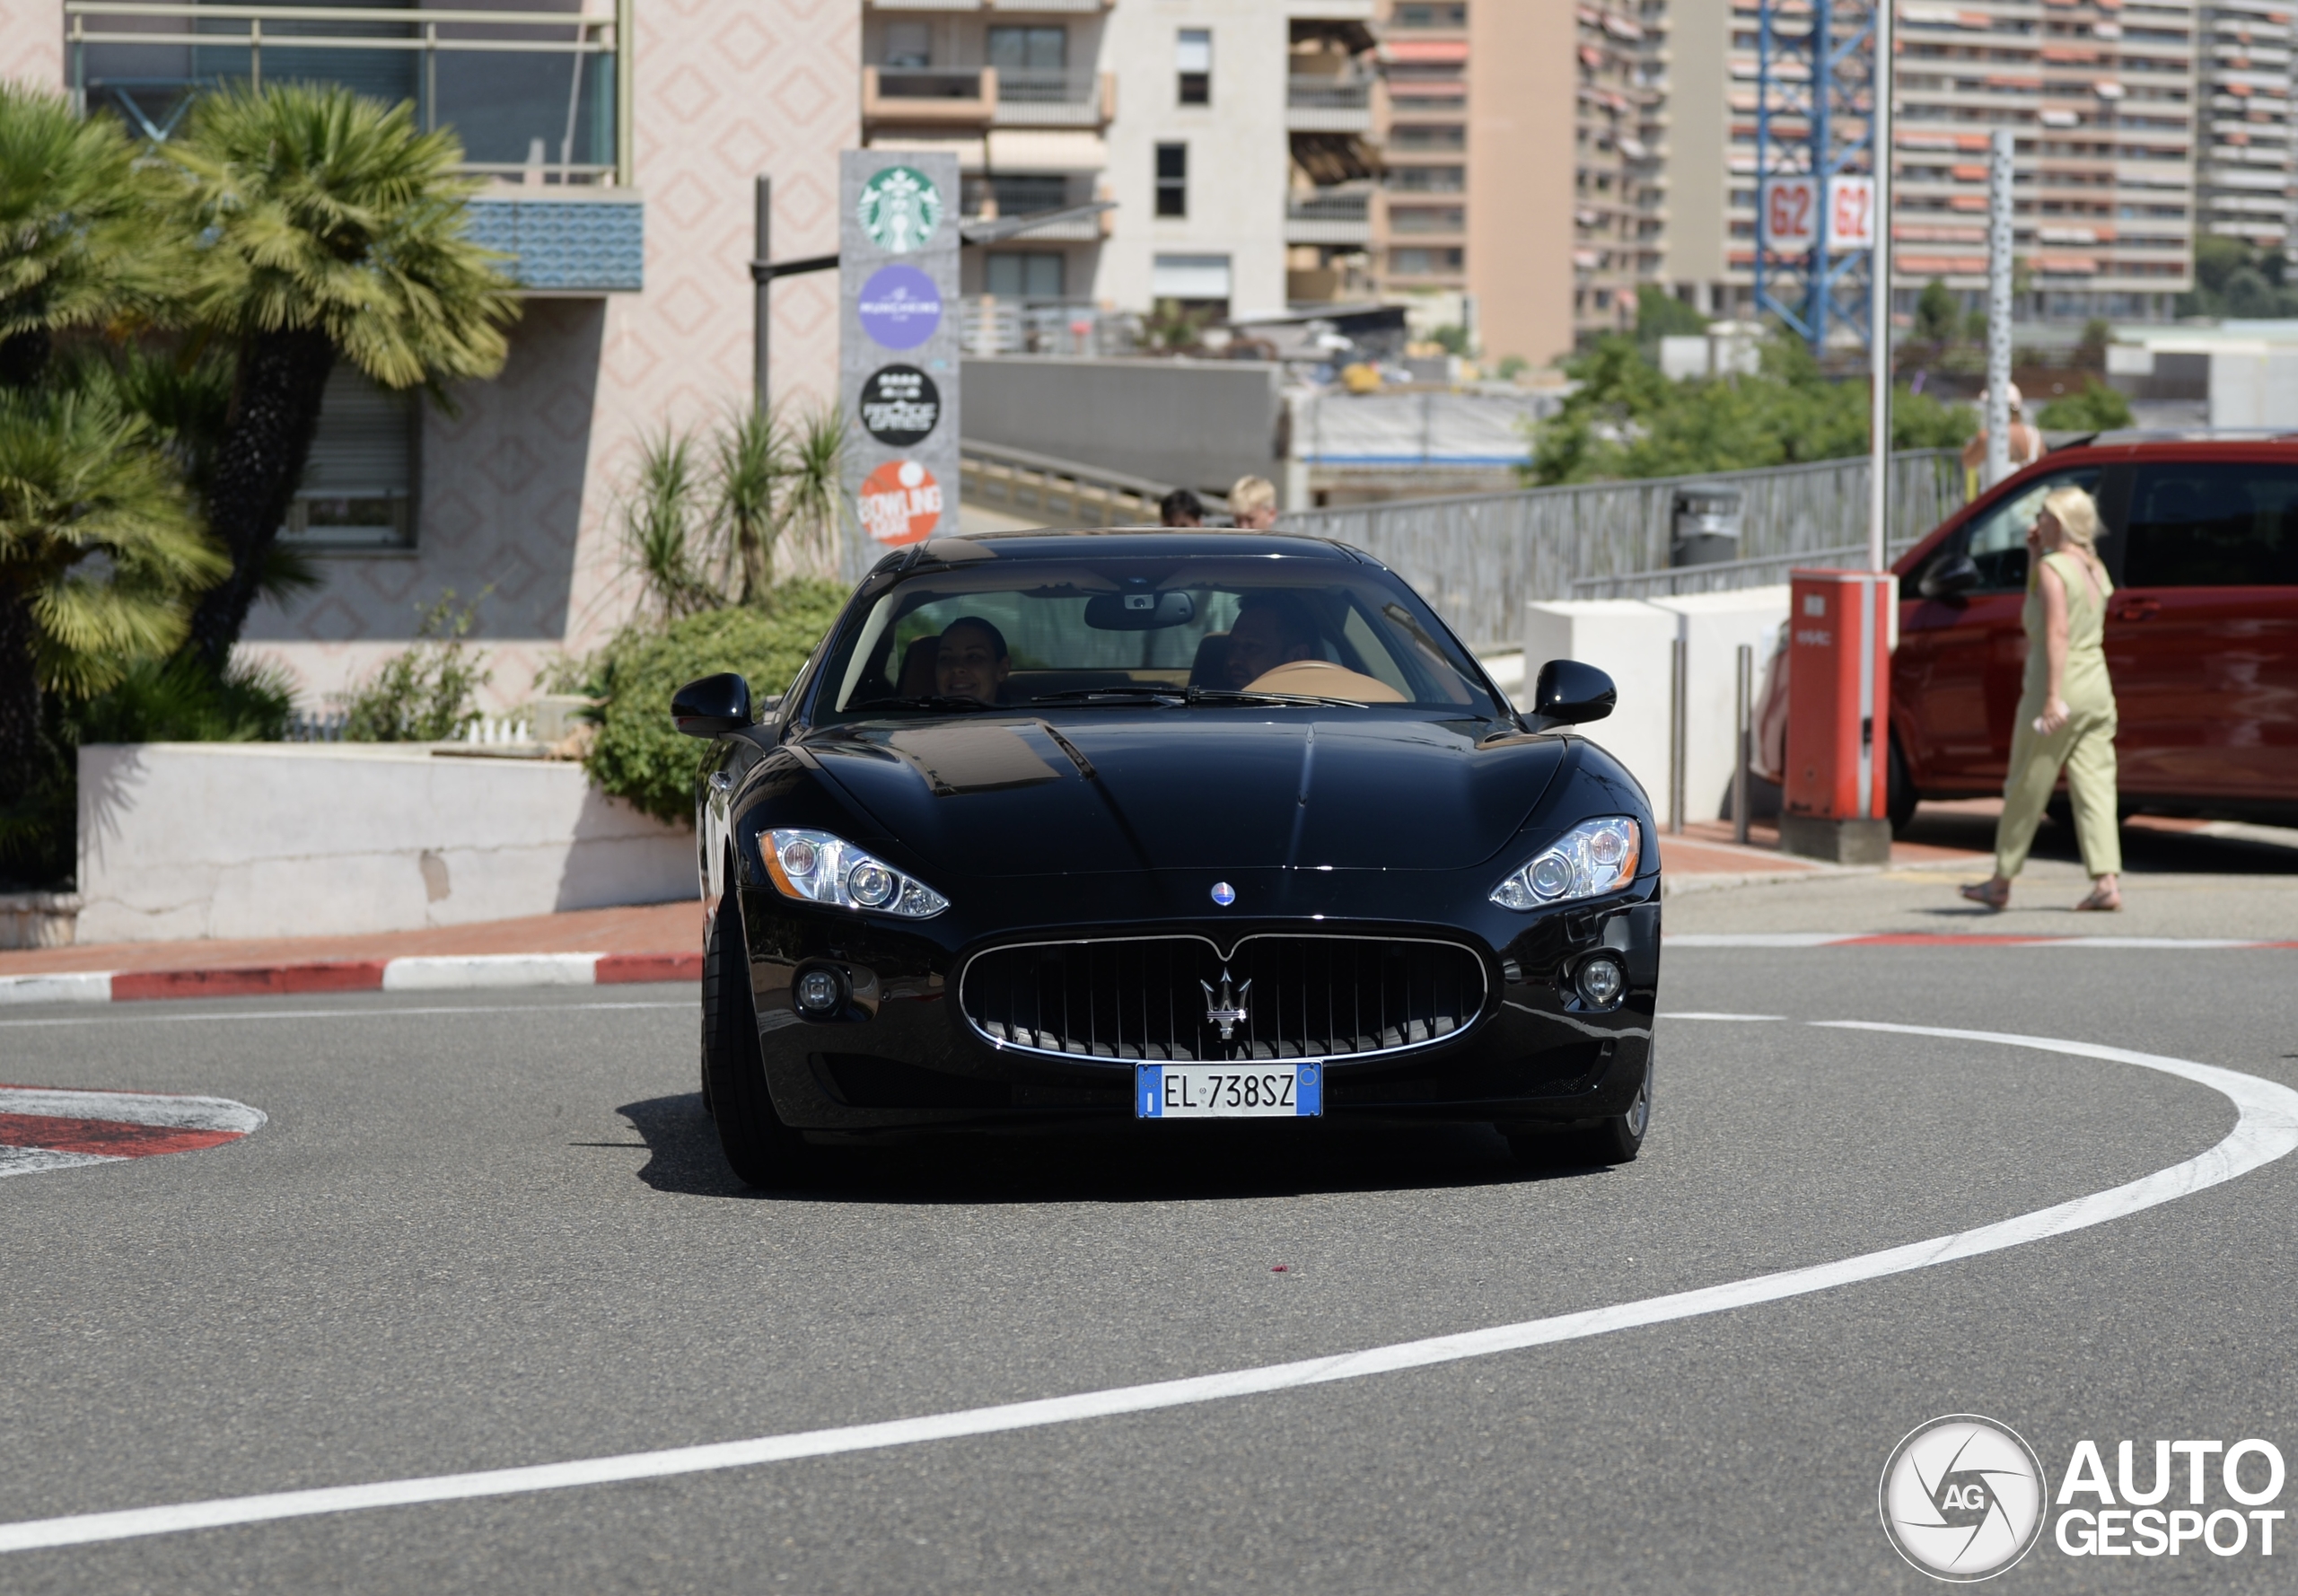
[1066, 829]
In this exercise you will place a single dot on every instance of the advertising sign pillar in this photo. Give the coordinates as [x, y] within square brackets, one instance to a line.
[1835, 801]
[898, 337]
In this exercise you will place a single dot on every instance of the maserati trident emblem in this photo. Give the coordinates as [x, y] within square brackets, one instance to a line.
[1228, 1009]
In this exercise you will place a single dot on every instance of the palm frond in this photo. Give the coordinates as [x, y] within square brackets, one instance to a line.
[748, 456]
[665, 534]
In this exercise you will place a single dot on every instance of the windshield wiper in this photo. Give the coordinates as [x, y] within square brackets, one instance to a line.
[940, 702]
[1129, 690]
[1246, 695]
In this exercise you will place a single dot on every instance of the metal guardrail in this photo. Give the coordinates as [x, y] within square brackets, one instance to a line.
[1729, 576]
[1480, 559]
[1058, 492]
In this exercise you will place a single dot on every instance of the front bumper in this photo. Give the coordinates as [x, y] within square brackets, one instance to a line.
[900, 1055]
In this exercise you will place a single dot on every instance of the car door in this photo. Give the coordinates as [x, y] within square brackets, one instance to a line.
[1955, 676]
[2202, 635]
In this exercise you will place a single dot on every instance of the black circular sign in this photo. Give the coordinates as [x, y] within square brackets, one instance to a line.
[901, 406]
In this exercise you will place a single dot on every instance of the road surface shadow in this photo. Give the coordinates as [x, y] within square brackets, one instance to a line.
[1125, 1163]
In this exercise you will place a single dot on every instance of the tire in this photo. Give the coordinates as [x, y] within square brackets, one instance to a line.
[1614, 1140]
[1899, 797]
[759, 1148]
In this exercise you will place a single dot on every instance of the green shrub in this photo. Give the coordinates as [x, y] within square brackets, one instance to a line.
[425, 694]
[639, 756]
[2098, 409]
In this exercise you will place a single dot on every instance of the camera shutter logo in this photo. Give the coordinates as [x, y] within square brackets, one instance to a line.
[1963, 1498]
[899, 209]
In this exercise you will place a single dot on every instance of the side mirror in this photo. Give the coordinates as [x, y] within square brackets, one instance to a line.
[1950, 575]
[1569, 692]
[712, 705]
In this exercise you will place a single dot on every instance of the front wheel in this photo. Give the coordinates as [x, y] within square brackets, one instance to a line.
[760, 1149]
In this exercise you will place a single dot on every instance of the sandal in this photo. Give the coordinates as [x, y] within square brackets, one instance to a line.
[2103, 900]
[1984, 892]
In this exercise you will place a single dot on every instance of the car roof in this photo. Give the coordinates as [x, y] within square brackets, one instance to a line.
[1071, 543]
[2280, 448]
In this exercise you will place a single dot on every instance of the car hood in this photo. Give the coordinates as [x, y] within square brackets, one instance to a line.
[1189, 790]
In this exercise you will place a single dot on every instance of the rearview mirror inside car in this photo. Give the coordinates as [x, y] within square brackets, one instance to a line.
[1139, 612]
[1568, 692]
[712, 706]
[1950, 574]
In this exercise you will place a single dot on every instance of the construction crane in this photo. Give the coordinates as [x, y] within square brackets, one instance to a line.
[1815, 154]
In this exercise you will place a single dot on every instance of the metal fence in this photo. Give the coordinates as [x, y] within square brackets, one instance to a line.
[1480, 559]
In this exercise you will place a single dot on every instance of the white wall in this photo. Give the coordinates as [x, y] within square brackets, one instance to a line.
[1630, 640]
[2254, 387]
[217, 840]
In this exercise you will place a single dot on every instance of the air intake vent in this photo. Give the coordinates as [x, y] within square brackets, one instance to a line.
[1164, 998]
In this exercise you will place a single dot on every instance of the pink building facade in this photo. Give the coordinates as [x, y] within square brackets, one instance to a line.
[634, 233]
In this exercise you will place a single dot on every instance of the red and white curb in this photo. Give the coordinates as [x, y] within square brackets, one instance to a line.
[1919, 938]
[46, 1127]
[461, 972]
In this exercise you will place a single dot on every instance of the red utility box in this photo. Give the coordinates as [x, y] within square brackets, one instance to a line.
[1834, 802]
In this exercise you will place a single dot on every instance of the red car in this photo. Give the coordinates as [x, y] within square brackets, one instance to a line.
[2202, 631]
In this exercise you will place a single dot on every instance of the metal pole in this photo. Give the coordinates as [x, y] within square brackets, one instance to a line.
[1818, 309]
[1742, 715]
[761, 311]
[1678, 711]
[1999, 174]
[1879, 299]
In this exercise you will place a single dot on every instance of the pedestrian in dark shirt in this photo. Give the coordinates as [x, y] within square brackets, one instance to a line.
[1180, 507]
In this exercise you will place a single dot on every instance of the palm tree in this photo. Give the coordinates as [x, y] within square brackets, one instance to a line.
[99, 555]
[83, 237]
[333, 228]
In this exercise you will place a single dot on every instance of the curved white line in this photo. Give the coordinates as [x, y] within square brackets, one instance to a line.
[2266, 1129]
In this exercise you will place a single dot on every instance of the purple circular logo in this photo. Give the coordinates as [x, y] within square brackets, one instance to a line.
[900, 307]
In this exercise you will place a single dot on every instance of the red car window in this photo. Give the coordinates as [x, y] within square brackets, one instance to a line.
[2212, 526]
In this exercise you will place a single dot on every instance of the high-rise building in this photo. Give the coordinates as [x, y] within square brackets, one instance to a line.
[2244, 169]
[2102, 95]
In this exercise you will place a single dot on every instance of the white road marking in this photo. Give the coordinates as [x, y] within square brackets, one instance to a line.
[38, 1160]
[1701, 1015]
[378, 1013]
[133, 1108]
[489, 969]
[2266, 1129]
[1754, 939]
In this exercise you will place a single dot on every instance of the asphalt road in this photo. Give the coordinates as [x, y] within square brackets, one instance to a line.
[494, 1230]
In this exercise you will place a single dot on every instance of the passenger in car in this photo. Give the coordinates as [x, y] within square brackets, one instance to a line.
[2067, 707]
[972, 661]
[1271, 629]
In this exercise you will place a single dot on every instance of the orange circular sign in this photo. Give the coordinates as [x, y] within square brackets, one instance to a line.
[900, 501]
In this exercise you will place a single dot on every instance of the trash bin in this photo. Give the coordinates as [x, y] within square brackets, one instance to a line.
[1706, 525]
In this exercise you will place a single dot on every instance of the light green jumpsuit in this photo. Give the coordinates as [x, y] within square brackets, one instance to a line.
[2084, 745]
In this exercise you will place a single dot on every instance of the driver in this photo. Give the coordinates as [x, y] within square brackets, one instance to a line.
[1271, 629]
[972, 661]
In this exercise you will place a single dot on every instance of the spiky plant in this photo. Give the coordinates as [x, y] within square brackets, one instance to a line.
[83, 238]
[333, 228]
[665, 528]
[747, 458]
[814, 506]
[99, 557]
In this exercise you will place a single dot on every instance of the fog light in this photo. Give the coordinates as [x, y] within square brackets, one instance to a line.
[818, 993]
[1601, 982]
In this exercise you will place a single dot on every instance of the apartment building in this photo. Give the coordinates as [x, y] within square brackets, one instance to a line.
[2244, 169]
[2103, 97]
[619, 144]
[1235, 137]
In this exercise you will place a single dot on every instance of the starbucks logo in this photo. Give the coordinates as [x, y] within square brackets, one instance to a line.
[899, 209]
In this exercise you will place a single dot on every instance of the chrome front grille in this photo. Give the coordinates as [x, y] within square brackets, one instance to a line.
[1152, 998]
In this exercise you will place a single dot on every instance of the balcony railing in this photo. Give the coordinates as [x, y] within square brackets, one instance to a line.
[1325, 93]
[935, 82]
[1330, 207]
[541, 95]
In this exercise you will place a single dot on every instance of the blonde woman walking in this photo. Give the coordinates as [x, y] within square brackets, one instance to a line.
[2067, 709]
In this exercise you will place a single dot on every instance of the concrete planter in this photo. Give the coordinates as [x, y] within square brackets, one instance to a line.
[38, 919]
[222, 839]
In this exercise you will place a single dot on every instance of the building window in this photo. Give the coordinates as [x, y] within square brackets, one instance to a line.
[1173, 179]
[1427, 218]
[358, 488]
[1193, 61]
[1033, 63]
[1430, 16]
[1018, 194]
[909, 45]
[1428, 136]
[1024, 274]
[1426, 263]
[1198, 283]
[1428, 180]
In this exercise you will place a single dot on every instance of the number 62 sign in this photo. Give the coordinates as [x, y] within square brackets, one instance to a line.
[1791, 213]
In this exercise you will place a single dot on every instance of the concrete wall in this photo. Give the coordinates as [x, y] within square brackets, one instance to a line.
[1523, 81]
[1630, 639]
[219, 839]
[1199, 424]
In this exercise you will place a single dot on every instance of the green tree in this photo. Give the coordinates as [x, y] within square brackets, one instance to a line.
[665, 527]
[99, 555]
[2098, 409]
[83, 237]
[747, 460]
[332, 228]
[426, 693]
[1938, 314]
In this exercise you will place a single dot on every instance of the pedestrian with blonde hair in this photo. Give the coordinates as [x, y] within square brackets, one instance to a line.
[1253, 504]
[2067, 707]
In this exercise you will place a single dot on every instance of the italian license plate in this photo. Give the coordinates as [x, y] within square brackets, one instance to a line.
[1227, 1090]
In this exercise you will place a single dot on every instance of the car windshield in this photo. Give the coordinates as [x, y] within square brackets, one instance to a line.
[1138, 630]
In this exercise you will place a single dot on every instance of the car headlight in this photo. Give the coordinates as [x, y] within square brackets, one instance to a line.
[822, 868]
[1595, 857]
